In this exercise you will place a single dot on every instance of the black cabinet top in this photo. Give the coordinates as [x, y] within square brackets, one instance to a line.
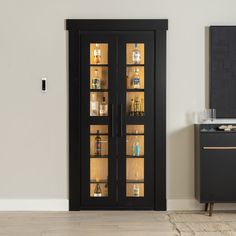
[116, 25]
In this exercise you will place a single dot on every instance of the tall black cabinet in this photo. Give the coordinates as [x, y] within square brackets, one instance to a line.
[117, 114]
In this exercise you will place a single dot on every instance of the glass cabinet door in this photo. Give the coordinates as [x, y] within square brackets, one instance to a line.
[136, 93]
[118, 116]
[98, 98]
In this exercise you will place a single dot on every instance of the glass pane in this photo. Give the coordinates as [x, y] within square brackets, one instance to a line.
[135, 103]
[135, 77]
[135, 145]
[103, 129]
[135, 53]
[133, 129]
[98, 177]
[98, 77]
[99, 104]
[98, 145]
[99, 189]
[98, 160]
[135, 190]
[98, 53]
[134, 177]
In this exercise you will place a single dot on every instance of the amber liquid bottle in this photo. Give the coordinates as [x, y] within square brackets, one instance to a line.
[98, 145]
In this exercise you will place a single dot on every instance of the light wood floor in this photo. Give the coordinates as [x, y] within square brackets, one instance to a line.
[86, 223]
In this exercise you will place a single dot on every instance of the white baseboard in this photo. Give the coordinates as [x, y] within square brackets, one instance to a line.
[63, 205]
[192, 205]
[34, 204]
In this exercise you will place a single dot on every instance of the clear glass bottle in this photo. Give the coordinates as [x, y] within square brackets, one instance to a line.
[135, 82]
[136, 54]
[131, 111]
[96, 81]
[93, 105]
[136, 146]
[97, 54]
[103, 107]
[98, 145]
[136, 191]
[97, 189]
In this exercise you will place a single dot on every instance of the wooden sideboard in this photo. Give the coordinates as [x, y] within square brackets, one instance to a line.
[215, 165]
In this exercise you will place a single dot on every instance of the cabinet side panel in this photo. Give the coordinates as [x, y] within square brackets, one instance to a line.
[160, 120]
[197, 161]
[74, 122]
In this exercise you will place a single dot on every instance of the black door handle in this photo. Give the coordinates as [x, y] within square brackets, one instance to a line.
[121, 120]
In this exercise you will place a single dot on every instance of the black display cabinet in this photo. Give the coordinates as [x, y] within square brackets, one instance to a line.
[117, 114]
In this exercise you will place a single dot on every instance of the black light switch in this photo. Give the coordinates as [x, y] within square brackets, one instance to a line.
[44, 85]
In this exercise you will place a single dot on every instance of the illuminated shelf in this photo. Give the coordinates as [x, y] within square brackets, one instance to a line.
[99, 133]
[134, 157]
[135, 64]
[98, 90]
[102, 181]
[97, 157]
[98, 64]
[134, 134]
[134, 181]
[135, 90]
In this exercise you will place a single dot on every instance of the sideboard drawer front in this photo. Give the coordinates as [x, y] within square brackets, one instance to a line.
[222, 141]
[218, 175]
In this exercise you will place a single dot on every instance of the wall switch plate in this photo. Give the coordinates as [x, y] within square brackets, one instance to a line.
[44, 85]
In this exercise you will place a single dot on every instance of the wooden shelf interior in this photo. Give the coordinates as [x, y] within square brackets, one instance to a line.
[130, 74]
[104, 144]
[102, 73]
[103, 129]
[134, 168]
[130, 48]
[131, 129]
[130, 191]
[102, 186]
[104, 53]
[133, 95]
[98, 169]
[130, 139]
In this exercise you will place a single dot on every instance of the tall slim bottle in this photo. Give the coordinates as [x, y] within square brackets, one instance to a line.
[97, 54]
[136, 54]
[93, 105]
[98, 145]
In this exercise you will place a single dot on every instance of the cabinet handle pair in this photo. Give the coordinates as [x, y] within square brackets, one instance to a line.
[219, 148]
[113, 120]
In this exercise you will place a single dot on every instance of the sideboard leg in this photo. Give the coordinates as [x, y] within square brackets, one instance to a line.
[211, 208]
[206, 206]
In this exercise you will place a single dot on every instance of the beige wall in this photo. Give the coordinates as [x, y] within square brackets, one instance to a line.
[34, 126]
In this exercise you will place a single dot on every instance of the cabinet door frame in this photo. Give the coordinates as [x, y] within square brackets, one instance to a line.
[75, 27]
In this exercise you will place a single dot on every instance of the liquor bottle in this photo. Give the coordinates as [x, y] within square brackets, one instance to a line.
[97, 54]
[137, 107]
[96, 81]
[136, 54]
[97, 189]
[136, 191]
[131, 111]
[103, 107]
[98, 145]
[142, 107]
[93, 105]
[135, 82]
[136, 146]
